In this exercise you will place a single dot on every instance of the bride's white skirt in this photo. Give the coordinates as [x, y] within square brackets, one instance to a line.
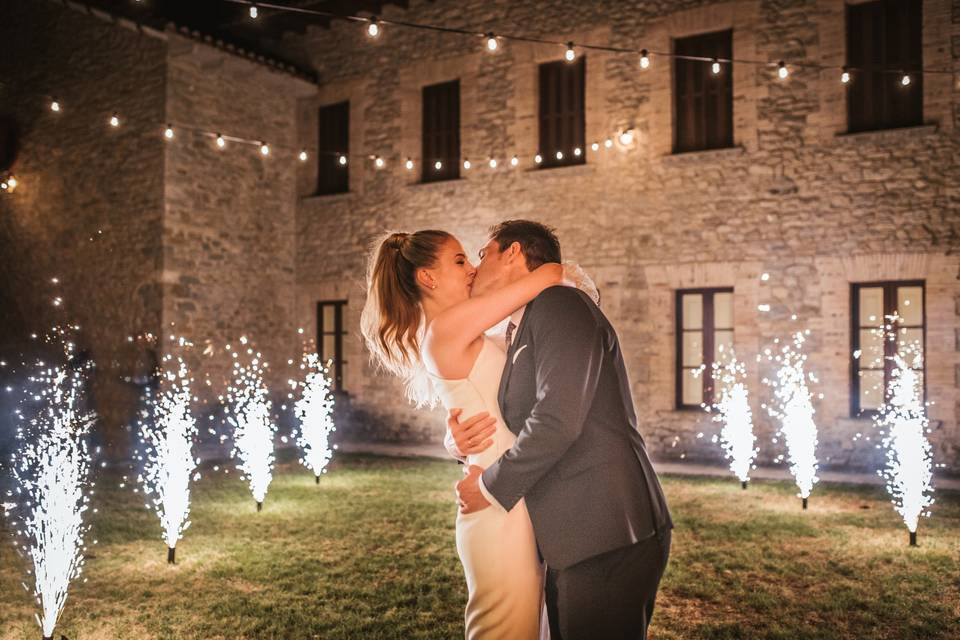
[504, 575]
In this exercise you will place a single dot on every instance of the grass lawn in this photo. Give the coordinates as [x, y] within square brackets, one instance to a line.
[370, 554]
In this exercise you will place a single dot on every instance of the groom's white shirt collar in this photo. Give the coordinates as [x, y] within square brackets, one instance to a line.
[517, 316]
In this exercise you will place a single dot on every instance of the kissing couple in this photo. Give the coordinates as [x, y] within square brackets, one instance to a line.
[560, 510]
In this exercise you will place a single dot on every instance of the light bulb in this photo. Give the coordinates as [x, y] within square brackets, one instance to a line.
[254, 12]
[595, 146]
[559, 155]
[303, 156]
[114, 121]
[54, 105]
[168, 132]
[715, 67]
[466, 164]
[11, 182]
[373, 28]
[264, 149]
[220, 141]
[514, 161]
[905, 80]
[342, 159]
[626, 138]
[644, 59]
[577, 151]
[493, 163]
[438, 165]
[538, 158]
[409, 164]
[379, 162]
[782, 70]
[570, 55]
[845, 76]
[492, 43]
[608, 143]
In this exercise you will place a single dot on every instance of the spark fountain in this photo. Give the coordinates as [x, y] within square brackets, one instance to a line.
[793, 408]
[254, 429]
[167, 435]
[314, 411]
[51, 470]
[732, 410]
[902, 418]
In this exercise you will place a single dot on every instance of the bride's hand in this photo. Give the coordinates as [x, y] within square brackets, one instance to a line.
[473, 435]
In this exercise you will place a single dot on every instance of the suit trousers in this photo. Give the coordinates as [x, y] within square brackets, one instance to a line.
[609, 596]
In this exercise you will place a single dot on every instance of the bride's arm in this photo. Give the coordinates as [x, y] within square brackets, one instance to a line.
[465, 321]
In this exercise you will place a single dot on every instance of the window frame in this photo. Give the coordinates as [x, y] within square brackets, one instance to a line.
[562, 124]
[436, 139]
[707, 348]
[719, 98]
[889, 346]
[332, 177]
[338, 333]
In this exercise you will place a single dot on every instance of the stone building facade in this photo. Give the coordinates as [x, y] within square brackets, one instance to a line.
[225, 244]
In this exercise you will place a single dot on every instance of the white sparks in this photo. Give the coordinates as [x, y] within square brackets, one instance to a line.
[314, 411]
[732, 410]
[253, 429]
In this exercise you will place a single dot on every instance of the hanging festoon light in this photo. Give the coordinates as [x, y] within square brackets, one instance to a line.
[492, 43]
[905, 79]
[303, 155]
[514, 161]
[732, 410]
[54, 105]
[168, 132]
[438, 165]
[595, 146]
[715, 66]
[264, 149]
[559, 155]
[792, 407]
[608, 143]
[114, 120]
[466, 164]
[644, 59]
[51, 473]
[570, 54]
[844, 76]
[221, 143]
[902, 419]
[577, 152]
[254, 12]
[167, 434]
[538, 158]
[626, 137]
[314, 412]
[409, 164]
[379, 162]
[373, 27]
[782, 71]
[249, 408]
[492, 163]
[342, 160]
[9, 183]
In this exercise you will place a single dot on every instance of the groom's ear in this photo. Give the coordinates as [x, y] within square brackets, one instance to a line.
[515, 251]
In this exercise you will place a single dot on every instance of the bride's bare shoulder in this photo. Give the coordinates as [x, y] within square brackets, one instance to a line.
[446, 357]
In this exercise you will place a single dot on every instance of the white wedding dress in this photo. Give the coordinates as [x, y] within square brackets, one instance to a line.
[497, 548]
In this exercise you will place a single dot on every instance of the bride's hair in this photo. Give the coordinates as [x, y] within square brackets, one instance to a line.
[392, 321]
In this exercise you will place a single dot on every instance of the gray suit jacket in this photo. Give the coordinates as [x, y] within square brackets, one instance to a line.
[579, 460]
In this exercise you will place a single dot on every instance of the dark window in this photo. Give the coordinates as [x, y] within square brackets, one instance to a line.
[330, 335]
[884, 42]
[704, 333]
[441, 131]
[704, 100]
[562, 112]
[333, 143]
[877, 339]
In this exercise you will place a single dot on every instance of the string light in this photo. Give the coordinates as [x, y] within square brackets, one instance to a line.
[168, 132]
[54, 106]
[373, 28]
[303, 156]
[577, 152]
[644, 59]
[493, 163]
[538, 158]
[264, 149]
[514, 161]
[438, 165]
[254, 12]
[466, 165]
[715, 67]
[570, 54]
[595, 146]
[626, 138]
[378, 162]
[221, 143]
[12, 183]
[905, 80]
[782, 70]
[608, 143]
[492, 43]
[845, 76]
[114, 120]
[409, 164]
[342, 159]
[559, 155]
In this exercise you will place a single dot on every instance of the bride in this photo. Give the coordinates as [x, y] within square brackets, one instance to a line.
[421, 324]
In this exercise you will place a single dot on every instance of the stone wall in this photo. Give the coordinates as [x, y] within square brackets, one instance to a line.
[796, 198]
[90, 197]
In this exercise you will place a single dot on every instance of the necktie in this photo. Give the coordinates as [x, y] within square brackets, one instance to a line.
[510, 329]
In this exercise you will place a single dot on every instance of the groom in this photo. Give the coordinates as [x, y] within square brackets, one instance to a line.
[599, 515]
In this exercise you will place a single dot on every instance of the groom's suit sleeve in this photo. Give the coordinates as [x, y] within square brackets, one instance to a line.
[568, 347]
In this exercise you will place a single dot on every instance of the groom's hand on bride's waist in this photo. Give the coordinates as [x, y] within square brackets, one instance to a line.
[473, 435]
[469, 496]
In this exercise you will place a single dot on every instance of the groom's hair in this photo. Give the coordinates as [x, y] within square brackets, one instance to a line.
[538, 241]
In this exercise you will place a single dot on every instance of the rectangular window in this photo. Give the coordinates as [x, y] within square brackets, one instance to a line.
[562, 113]
[703, 99]
[330, 334]
[877, 339]
[441, 131]
[704, 335]
[883, 42]
[334, 143]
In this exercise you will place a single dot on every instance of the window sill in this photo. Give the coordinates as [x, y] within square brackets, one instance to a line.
[898, 133]
[329, 197]
[701, 155]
